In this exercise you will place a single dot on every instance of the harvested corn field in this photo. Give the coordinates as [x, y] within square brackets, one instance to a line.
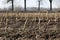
[29, 26]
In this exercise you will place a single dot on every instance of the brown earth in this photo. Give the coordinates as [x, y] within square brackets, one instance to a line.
[29, 26]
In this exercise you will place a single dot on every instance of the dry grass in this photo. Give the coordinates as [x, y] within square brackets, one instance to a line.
[31, 14]
[43, 26]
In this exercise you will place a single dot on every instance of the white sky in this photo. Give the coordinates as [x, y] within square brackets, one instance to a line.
[30, 3]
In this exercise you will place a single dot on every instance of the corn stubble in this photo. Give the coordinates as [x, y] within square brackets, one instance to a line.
[29, 26]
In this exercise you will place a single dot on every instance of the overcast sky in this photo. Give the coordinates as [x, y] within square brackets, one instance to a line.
[30, 3]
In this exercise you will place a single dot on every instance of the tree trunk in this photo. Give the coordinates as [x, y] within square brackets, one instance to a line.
[38, 5]
[50, 6]
[25, 5]
[12, 5]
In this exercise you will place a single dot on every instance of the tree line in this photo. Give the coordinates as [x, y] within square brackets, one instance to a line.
[25, 4]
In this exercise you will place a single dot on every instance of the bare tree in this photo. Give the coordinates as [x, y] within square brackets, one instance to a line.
[25, 5]
[39, 1]
[50, 4]
[12, 4]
